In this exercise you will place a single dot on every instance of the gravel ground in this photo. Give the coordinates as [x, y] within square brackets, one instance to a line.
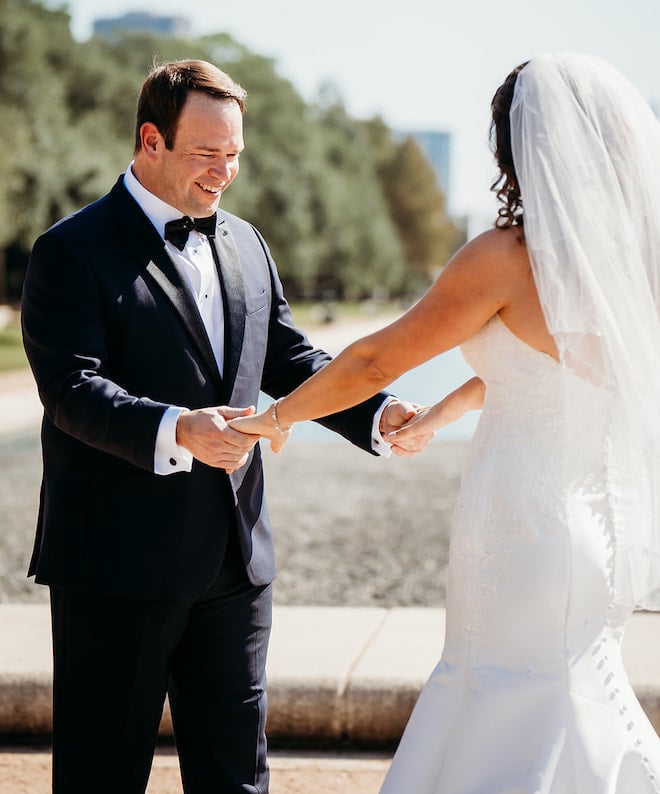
[351, 529]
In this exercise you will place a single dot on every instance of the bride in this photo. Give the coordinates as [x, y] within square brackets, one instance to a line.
[556, 531]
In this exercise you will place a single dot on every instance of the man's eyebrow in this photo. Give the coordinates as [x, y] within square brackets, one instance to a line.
[216, 148]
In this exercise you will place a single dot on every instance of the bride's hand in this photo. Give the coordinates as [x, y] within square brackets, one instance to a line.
[424, 423]
[263, 425]
[469, 396]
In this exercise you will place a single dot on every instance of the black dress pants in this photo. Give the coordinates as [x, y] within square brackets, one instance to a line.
[114, 661]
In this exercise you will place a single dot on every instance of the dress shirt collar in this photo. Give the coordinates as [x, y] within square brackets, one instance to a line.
[157, 210]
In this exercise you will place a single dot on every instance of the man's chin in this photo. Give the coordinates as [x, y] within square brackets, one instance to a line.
[208, 209]
[197, 208]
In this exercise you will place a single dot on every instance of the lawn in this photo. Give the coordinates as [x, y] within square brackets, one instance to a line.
[12, 355]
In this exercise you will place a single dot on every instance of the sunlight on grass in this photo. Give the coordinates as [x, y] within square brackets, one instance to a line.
[12, 355]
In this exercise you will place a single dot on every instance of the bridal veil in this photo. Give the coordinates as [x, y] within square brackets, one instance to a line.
[586, 148]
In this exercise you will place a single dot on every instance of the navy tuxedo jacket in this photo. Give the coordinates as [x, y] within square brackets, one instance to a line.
[114, 338]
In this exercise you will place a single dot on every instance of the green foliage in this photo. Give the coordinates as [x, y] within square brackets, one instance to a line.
[354, 222]
[345, 208]
[12, 354]
[416, 205]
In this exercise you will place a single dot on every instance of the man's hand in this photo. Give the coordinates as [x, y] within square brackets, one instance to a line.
[210, 439]
[468, 397]
[263, 426]
[395, 415]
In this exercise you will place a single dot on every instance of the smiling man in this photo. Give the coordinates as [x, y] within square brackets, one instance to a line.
[150, 319]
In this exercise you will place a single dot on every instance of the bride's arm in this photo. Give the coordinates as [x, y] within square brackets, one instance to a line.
[475, 285]
[468, 397]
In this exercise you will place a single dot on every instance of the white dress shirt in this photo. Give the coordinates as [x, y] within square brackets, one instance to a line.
[197, 266]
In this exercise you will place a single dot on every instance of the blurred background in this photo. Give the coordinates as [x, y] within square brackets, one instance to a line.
[367, 165]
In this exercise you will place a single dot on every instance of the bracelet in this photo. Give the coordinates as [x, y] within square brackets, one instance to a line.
[273, 412]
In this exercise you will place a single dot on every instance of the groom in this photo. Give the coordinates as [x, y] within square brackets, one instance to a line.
[146, 333]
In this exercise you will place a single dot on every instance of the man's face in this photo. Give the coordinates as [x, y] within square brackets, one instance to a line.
[204, 159]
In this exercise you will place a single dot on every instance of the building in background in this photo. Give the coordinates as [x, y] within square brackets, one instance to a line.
[143, 21]
[437, 147]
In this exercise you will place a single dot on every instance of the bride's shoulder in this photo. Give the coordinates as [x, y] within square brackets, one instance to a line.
[509, 241]
[501, 249]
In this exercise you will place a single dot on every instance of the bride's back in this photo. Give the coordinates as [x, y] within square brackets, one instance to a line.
[521, 311]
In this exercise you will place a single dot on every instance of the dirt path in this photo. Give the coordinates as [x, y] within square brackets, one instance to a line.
[28, 771]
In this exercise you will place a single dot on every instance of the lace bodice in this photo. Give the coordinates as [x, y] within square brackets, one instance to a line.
[518, 498]
[525, 390]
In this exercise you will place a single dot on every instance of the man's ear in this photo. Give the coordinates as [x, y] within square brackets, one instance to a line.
[151, 139]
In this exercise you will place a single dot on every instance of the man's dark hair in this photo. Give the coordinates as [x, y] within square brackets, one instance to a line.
[166, 89]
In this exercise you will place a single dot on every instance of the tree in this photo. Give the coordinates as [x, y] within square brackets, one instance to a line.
[361, 252]
[31, 40]
[416, 204]
[321, 186]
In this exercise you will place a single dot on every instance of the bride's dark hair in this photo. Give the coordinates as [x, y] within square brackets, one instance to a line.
[506, 185]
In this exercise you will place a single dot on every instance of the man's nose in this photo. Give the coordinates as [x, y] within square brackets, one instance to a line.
[221, 169]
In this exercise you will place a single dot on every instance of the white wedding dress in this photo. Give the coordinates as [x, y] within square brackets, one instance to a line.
[530, 695]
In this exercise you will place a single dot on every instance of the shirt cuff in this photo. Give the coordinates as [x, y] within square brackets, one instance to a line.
[170, 457]
[378, 443]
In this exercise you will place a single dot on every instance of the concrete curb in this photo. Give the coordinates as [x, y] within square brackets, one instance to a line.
[335, 673]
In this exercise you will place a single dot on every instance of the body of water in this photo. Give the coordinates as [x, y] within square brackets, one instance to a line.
[426, 384]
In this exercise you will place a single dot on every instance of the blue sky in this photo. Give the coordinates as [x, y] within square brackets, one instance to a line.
[421, 64]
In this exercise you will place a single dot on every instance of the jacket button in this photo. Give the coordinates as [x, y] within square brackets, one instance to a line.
[173, 461]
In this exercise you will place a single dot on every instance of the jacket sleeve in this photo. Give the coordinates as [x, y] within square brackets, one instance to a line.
[66, 343]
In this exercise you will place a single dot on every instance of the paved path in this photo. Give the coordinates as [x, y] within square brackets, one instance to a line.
[20, 408]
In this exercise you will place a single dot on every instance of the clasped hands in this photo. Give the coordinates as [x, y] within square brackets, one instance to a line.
[394, 419]
[223, 437]
[207, 434]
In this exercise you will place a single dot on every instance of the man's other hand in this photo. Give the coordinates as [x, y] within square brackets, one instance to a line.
[210, 439]
[395, 415]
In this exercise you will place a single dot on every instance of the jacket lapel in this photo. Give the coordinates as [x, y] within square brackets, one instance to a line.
[147, 247]
[164, 272]
[233, 288]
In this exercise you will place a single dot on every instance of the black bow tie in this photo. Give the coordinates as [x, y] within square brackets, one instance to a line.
[177, 231]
